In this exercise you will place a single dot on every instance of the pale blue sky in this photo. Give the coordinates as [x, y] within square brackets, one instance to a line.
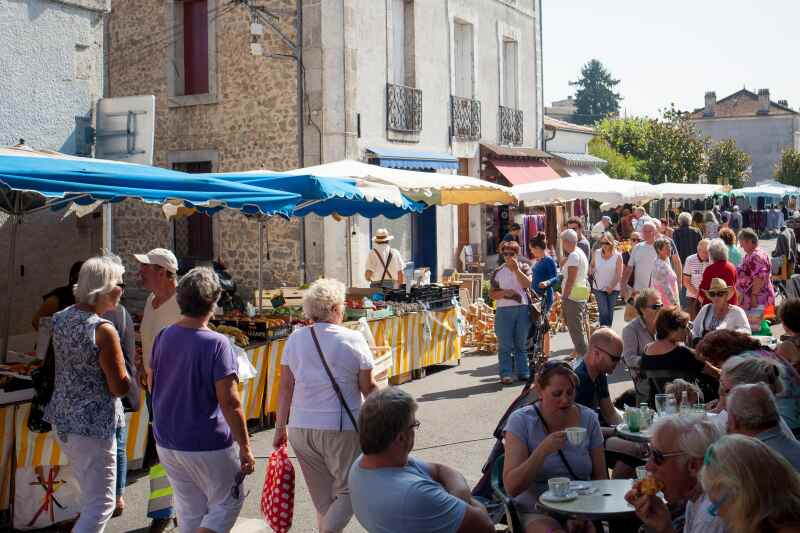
[674, 51]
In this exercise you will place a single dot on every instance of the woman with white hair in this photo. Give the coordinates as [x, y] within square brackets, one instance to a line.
[322, 424]
[720, 268]
[711, 225]
[90, 378]
[663, 278]
[751, 488]
[575, 290]
[198, 422]
[719, 314]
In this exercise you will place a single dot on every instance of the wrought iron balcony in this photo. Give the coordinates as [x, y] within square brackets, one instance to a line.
[510, 126]
[465, 118]
[403, 108]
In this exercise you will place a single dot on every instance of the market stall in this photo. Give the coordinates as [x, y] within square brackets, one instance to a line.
[604, 190]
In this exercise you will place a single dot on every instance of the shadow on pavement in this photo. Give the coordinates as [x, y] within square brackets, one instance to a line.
[465, 392]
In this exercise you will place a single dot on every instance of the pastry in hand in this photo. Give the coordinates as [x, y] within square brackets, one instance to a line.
[648, 486]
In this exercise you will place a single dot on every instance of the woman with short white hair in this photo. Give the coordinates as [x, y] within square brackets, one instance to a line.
[322, 424]
[90, 377]
[751, 488]
[720, 268]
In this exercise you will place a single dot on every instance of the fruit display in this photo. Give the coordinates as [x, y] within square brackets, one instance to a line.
[239, 336]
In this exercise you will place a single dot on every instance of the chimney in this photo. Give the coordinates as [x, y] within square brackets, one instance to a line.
[763, 101]
[784, 103]
[711, 104]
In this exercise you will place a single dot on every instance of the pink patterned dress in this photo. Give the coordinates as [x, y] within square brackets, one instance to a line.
[755, 265]
[665, 281]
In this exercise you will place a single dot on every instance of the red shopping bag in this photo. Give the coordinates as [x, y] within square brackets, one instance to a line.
[277, 500]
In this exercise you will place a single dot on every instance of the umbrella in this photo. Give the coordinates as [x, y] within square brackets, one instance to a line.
[768, 189]
[688, 191]
[603, 190]
[429, 187]
[31, 181]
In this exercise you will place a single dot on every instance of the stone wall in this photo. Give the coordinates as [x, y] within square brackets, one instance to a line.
[251, 123]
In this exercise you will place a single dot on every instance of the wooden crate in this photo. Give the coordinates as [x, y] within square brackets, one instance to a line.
[292, 295]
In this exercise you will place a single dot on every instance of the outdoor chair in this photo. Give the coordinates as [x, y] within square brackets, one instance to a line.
[512, 518]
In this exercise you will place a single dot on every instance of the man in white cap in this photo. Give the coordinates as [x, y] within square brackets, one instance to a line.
[384, 263]
[601, 227]
[158, 273]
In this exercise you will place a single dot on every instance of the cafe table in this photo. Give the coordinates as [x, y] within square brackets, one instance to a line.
[605, 500]
[642, 436]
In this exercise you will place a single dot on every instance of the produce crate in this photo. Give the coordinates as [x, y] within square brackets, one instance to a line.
[257, 330]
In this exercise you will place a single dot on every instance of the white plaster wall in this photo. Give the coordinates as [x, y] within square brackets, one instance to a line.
[568, 141]
[51, 64]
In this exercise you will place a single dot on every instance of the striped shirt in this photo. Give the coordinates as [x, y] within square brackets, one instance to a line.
[694, 268]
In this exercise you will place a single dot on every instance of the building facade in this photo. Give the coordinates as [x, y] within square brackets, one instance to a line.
[52, 65]
[761, 127]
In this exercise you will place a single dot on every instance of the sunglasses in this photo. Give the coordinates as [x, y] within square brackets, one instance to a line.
[509, 254]
[716, 294]
[237, 484]
[604, 243]
[654, 307]
[614, 358]
[636, 240]
[659, 457]
[121, 286]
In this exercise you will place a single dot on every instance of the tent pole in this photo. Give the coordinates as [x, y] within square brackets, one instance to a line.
[15, 220]
[260, 264]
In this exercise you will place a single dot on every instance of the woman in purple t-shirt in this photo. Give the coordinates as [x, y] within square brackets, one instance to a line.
[197, 412]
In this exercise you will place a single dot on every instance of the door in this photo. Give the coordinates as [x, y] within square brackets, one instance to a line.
[424, 241]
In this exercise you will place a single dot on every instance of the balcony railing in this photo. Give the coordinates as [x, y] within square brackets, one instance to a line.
[510, 126]
[465, 118]
[403, 108]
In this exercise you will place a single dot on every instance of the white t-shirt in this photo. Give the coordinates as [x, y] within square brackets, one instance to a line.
[315, 405]
[694, 268]
[598, 230]
[578, 259]
[642, 260]
[153, 321]
[605, 270]
[699, 520]
[374, 264]
[504, 278]
[735, 320]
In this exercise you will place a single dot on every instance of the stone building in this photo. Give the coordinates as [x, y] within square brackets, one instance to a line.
[52, 65]
[219, 108]
[403, 83]
[761, 127]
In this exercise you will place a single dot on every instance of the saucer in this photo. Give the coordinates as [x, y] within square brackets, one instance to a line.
[550, 497]
[578, 485]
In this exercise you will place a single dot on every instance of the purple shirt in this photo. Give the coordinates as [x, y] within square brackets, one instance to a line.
[186, 365]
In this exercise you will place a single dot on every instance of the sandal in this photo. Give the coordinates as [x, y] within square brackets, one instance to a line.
[506, 381]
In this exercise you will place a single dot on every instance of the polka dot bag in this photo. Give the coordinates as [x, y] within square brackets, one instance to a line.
[277, 500]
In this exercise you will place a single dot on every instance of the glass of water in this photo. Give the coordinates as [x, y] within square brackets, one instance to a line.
[672, 405]
[661, 403]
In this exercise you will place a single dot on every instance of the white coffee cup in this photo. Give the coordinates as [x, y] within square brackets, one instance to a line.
[559, 486]
[576, 435]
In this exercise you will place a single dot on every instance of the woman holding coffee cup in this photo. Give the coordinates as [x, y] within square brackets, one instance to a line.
[554, 438]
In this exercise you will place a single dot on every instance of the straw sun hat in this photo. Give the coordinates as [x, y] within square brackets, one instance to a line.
[718, 285]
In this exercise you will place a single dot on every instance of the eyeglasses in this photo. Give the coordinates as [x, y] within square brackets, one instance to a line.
[237, 483]
[605, 243]
[415, 425]
[509, 254]
[614, 358]
[121, 286]
[654, 307]
[659, 457]
[636, 240]
[717, 294]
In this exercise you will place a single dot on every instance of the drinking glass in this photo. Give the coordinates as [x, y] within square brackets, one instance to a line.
[634, 419]
[661, 403]
[672, 405]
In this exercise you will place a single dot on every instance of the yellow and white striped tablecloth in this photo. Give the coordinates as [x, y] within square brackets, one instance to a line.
[6, 454]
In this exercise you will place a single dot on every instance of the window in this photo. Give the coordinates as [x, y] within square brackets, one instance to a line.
[464, 60]
[510, 89]
[195, 47]
[194, 235]
[403, 42]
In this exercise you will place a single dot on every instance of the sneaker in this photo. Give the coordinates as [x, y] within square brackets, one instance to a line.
[159, 525]
[506, 380]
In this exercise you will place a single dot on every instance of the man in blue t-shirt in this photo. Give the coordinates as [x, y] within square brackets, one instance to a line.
[394, 493]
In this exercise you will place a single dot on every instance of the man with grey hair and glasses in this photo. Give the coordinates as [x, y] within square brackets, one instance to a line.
[392, 492]
[752, 411]
[677, 449]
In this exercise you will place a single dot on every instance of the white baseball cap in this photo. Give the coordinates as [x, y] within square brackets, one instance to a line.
[160, 257]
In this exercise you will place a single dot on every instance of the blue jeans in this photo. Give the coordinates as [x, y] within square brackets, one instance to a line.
[511, 324]
[122, 459]
[682, 296]
[605, 306]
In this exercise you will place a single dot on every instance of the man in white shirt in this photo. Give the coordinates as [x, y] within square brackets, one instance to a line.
[158, 272]
[384, 263]
[692, 276]
[601, 227]
[641, 262]
[640, 216]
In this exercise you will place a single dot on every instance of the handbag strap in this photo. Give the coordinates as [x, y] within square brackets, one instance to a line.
[335, 385]
[560, 453]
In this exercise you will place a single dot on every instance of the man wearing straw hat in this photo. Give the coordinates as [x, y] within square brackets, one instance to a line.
[384, 263]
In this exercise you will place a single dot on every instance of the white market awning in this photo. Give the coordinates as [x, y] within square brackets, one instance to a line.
[429, 187]
[688, 191]
[768, 189]
[598, 187]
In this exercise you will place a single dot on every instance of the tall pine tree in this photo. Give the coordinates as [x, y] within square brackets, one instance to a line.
[595, 98]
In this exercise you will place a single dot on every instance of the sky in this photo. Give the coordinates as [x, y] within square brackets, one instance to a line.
[674, 51]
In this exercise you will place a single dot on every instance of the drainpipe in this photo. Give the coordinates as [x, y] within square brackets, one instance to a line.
[298, 28]
[548, 139]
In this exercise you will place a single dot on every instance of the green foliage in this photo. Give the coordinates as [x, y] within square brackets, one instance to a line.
[628, 136]
[788, 169]
[726, 163]
[624, 167]
[595, 98]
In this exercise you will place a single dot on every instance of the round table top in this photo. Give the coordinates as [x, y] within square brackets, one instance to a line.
[643, 435]
[608, 501]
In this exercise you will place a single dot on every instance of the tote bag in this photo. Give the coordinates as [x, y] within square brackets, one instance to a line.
[277, 498]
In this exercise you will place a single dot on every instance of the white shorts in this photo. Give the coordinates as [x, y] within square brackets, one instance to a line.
[202, 482]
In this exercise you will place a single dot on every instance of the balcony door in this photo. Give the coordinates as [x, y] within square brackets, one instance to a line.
[464, 60]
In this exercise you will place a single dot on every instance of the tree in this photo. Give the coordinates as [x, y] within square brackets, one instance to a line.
[675, 152]
[788, 170]
[624, 167]
[628, 136]
[595, 98]
[726, 163]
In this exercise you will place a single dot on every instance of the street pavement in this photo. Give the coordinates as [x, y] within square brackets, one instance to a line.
[459, 407]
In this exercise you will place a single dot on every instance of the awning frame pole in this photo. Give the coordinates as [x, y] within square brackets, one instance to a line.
[260, 264]
[16, 220]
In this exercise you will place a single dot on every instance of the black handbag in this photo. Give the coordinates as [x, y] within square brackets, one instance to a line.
[335, 385]
[43, 385]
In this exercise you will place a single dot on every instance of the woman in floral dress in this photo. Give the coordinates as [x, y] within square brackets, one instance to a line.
[753, 275]
[663, 279]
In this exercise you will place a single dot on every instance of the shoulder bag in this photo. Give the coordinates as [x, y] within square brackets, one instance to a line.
[335, 385]
[560, 452]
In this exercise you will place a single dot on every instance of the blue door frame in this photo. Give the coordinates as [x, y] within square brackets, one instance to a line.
[423, 241]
